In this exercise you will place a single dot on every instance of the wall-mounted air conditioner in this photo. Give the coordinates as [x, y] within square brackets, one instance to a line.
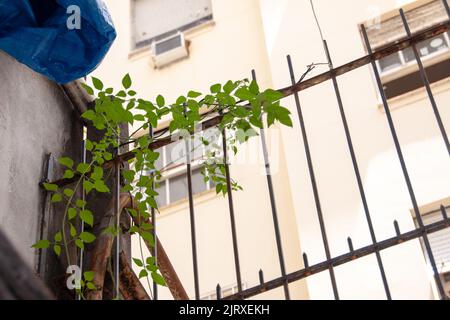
[169, 50]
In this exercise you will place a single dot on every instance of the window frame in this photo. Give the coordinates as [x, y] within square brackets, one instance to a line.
[408, 67]
[177, 171]
[444, 272]
[147, 44]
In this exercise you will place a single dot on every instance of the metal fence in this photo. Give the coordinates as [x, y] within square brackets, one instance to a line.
[421, 232]
[410, 41]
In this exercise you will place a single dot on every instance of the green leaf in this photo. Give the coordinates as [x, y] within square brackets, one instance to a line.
[254, 88]
[89, 145]
[146, 226]
[139, 117]
[285, 119]
[79, 243]
[68, 192]
[97, 83]
[57, 249]
[143, 274]
[138, 262]
[160, 101]
[100, 186]
[194, 94]
[83, 168]
[88, 186]
[58, 236]
[256, 122]
[67, 162]
[87, 217]
[181, 100]
[56, 198]
[71, 213]
[150, 260]
[88, 275]
[68, 174]
[240, 112]
[121, 94]
[87, 237]
[73, 231]
[219, 188]
[98, 173]
[147, 236]
[80, 203]
[91, 286]
[244, 94]
[90, 115]
[128, 174]
[126, 81]
[158, 279]
[151, 267]
[133, 229]
[133, 212]
[41, 244]
[50, 187]
[88, 89]
[107, 156]
[229, 87]
[216, 88]
[272, 95]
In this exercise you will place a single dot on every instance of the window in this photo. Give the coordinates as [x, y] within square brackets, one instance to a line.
[440, 246]
[399, 71]
[150, 20]
[173, 186]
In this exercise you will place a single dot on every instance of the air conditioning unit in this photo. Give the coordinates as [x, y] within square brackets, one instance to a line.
[169, 50]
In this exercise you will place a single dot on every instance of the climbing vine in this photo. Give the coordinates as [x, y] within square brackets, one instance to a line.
[242, 107]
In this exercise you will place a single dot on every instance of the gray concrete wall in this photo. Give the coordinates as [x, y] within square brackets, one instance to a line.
[36, 118]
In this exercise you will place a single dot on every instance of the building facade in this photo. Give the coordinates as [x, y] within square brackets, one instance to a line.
[171, 47]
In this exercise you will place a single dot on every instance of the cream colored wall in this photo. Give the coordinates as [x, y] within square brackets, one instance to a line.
[229, 49]
[295, 33]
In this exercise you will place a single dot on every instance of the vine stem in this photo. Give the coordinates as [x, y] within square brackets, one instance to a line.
[140, 238]
[69, 202]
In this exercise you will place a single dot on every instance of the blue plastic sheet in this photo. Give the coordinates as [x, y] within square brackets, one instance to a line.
[36, 33]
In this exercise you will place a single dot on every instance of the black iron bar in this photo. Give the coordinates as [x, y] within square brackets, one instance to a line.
[218, 292]
[273, 205]
[444, 212]
[340, 260]
[446, 7]
[397, 228]
[231, 209]
[192, 218]
[305, 260]
[350, 244]
[357, 172]
[404, 169]
[426, 82]
[313, 181]
[261, 277]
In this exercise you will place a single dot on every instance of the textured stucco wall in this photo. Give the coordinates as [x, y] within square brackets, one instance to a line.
[36, 118]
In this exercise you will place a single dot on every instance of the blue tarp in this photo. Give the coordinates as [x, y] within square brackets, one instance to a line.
[36, 33]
